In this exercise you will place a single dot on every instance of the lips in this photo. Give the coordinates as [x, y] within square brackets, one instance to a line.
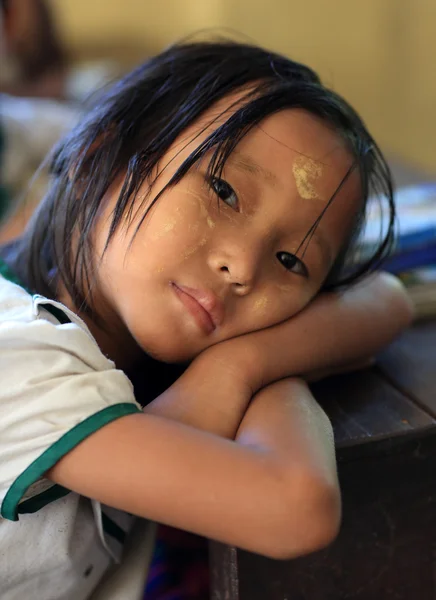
[204, 306]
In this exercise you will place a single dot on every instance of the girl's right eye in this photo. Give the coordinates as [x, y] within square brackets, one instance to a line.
[225, 192]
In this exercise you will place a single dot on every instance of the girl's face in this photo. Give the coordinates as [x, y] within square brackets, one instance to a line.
[218, 258]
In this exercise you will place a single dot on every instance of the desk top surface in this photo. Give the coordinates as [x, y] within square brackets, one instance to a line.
[393, 401]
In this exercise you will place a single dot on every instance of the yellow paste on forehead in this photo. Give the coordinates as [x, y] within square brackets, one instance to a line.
[306, 171]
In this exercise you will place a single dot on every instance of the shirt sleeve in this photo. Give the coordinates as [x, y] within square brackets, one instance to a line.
[57, 388]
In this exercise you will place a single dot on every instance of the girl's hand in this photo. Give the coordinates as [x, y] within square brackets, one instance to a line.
[212, 394]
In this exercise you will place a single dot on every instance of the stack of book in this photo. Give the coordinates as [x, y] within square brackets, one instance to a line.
[414, 255]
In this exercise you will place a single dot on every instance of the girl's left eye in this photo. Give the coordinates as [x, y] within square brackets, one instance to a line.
[225, 192]
[293, 263]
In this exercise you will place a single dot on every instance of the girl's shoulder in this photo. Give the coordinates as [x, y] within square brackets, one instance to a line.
[42, 340]
[57, 389]
[25, 315]
[15, 301]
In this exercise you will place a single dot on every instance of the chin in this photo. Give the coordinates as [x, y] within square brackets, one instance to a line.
[171, 354]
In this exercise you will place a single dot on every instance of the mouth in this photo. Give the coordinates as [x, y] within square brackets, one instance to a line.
[203, 305]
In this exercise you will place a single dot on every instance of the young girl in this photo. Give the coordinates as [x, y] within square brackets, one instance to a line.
[196, 217]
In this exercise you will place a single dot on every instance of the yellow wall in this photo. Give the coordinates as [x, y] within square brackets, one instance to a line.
[379, 54]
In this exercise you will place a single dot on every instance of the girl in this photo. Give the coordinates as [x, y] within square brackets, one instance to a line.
[197, 217]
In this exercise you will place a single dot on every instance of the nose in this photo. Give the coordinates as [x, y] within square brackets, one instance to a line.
[238, 265]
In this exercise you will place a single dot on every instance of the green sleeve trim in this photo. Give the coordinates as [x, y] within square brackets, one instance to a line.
[32, 505]
[44, 462]
[112, 528]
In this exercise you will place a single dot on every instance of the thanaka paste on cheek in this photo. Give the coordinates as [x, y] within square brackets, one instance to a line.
[194, 226]
[197, 201]
[306, 171]
[168, 226]
[190, 251]
[285, 287]
[261, 304]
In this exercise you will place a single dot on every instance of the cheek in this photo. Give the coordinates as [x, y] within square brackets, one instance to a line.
[260, 306]
[278, 304]
[182, 222]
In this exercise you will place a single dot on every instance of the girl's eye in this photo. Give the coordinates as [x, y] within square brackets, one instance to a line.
[292, 263]
[225, 192]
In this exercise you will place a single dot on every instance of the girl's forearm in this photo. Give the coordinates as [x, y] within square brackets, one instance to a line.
[283, 421]
[211, 395]
[285, 418]
[335, 329]
[272, 491]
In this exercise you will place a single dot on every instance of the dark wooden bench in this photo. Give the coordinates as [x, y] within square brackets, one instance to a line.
[385, 427]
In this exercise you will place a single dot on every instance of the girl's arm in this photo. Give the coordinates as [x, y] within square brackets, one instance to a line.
[272, 491]
[335, 330]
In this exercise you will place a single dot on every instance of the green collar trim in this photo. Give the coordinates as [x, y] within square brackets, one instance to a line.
[56, 312]
[8, 274]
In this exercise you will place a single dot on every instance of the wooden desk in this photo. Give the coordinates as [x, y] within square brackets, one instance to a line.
[385, 427]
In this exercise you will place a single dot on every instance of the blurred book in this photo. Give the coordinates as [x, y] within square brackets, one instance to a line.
[414, 255]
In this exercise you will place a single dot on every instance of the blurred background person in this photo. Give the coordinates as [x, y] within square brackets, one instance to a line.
[33, 60]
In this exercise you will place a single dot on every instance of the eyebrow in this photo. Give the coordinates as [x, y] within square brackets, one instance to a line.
[245, 163]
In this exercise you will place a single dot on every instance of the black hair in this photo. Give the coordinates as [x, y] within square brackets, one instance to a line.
[133, 124]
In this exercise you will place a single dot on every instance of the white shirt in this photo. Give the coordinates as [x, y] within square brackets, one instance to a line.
[56, 389]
